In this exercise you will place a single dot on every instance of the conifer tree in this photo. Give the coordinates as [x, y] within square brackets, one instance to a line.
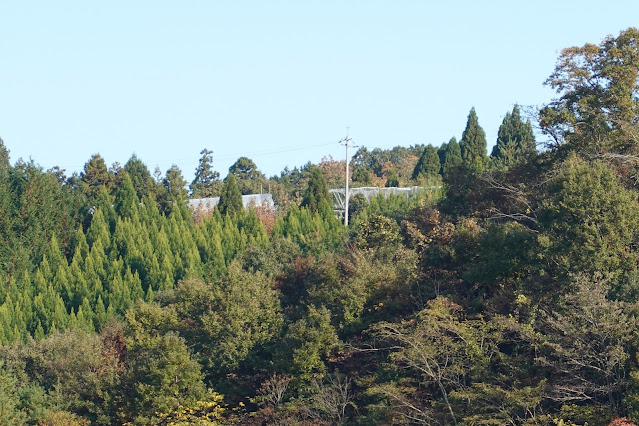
[515, 139]
[105, 204]
[206, 181]
[4, 160]
[452, 158]
[247, 175]
[428, 164]
[173, 189]
[473, 144]
[316, 197]
[140, 177]
[6, 208]
[95, 176]
[98, 231]
[126, 201]
[230, 198]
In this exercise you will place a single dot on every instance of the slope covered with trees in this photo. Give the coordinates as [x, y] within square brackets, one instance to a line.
[510, 296]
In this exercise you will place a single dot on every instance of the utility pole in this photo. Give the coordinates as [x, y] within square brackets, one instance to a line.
[346, 143]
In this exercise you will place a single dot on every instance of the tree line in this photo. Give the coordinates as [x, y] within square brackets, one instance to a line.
[506, 294]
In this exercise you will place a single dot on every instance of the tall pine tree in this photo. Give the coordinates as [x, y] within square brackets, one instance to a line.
[316, 198]
[231, 198]
[515, 139]
[428, 165]
[473, 144]
[452, 158]
[206, 181]
[140, 177]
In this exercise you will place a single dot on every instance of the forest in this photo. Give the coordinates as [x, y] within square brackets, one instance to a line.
[505, 293]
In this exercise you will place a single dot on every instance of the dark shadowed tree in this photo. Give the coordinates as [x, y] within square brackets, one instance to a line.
[316, 198]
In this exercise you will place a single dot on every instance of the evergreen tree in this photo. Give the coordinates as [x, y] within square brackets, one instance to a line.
[7, 219]
[317, 198]
[452, 158]
[206, 181]
[473, 144]
[247, 175]
[173, 189]
[230, 198]
[126, 201]
[140, 177]
[392, 180]
[428, 164]
[515, 139]
[174, 184]
[95, 176]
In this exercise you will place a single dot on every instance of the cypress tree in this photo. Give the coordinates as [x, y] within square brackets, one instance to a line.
[7, 216]
[316, 197]
[95, 176]
[140, 177]
[174, 184]
[230, 198]
[452, 157]
[473, 144]
[206, 181]
[428, 164]
[173, 189]
[126, 200]
[515, 139]
[4, 160]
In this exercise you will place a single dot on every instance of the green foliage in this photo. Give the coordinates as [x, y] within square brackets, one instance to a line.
[316, 198]
[126, 201]
[173, 189]
[378, 232]
[313, 232]
[95, 176]
[206, 181]
[473, 145]
[589, 220]
[439, 348]
[308, 344]
[230, 198]
[515, 140]
[452, 158]
[140, 177]
[511, 301]
[586, 345]
[76, 369]
[273, 260]
[247, 175]
[207, 412]
[428, 164]
[597, 107]
[243, 314]
[163, 376]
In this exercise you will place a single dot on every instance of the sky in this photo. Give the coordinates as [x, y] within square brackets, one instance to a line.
[276, 81]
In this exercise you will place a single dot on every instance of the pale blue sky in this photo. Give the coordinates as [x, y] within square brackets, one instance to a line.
[277, 81]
